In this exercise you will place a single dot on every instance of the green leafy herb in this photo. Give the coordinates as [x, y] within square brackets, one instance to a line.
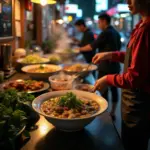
[13, 114]
[70, 100]
[26, 98]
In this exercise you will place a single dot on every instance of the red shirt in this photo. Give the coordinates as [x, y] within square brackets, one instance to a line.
[138, 73]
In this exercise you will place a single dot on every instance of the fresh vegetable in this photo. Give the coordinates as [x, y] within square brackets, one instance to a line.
[31, 59]
[11, 98]
[48, 46]
[11, 122]
[25, 98]
[70, 100]
[13, 115]
[54, 59]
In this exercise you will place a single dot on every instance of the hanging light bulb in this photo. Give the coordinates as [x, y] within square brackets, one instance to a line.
[60, 21]
[51, 1]
[44, 2]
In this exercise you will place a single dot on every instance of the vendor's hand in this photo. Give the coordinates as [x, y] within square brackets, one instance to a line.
[77, 49]
[101, 84]
[101, 56]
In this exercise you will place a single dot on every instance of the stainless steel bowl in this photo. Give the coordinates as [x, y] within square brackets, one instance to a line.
[88, 69]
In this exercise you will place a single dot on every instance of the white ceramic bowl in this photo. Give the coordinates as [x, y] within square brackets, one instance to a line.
[70, 125]
[41, 76]
[57, 82]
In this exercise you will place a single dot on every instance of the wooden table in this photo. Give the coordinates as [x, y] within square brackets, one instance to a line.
[99, 135]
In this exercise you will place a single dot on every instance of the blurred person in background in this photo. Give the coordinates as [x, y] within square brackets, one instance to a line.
[87, 38]
[135, 81]
[70, 30]
[108, 40]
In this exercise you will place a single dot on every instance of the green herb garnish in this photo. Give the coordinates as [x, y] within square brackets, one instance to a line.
[41, 67]
[71, 101]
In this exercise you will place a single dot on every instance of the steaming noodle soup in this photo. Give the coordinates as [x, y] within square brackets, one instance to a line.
[43, 69]
[69, 107]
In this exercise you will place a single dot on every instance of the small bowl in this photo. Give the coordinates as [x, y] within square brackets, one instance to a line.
[61, 82]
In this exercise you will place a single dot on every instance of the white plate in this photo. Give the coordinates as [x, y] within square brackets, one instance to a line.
[44, 88]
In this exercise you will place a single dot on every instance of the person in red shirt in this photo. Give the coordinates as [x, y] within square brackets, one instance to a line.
[135, 80]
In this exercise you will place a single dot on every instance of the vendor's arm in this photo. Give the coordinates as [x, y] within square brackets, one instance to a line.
[137, 74]
[112, 56]
[118, 56]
